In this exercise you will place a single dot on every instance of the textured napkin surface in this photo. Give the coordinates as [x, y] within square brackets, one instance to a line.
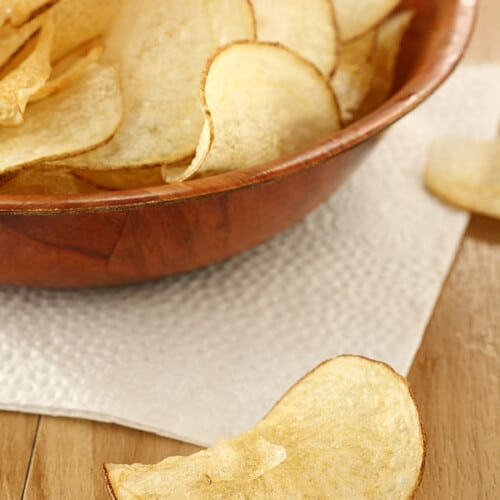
[206, 354]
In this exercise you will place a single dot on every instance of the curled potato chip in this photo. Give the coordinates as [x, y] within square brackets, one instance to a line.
[13, 39]
[306, 26]
[81, 117]
[17, 12]
[53, 182]
[354, 74]
[389, 36]
[355, 17]
[21, 83]
[160, 53]
[68, 71]
[466, 173]
[262, 101]
[349, 429]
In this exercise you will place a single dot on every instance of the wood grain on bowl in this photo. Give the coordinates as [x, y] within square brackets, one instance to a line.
[133, 235]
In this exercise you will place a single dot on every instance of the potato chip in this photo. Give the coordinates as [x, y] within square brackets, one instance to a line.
[353, 77]
[466, 173]
[68, 71]
[349, 429]
[355, 17]
[78, 21]
[13, 39]
[244, 458]
[389, 37]
[54, 182]
[130, 178]
[84, 115]
[17, 12]
[262, 101]
[21, 83]
[306, 26]
[160, 53]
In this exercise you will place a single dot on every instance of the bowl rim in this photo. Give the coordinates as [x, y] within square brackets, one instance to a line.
[416, 90]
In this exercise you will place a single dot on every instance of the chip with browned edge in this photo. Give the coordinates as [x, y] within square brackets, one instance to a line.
[355, 17]
[261, 101]
[389, 36]
[46, 182]
[13, 39]
[160, 52]
[17, 12]
[28, 78]
[81, 117]
[68, 70]
[347, 430]
[306, 26]
[353, 77]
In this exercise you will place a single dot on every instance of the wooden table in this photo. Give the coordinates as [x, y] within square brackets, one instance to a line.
[455, 378]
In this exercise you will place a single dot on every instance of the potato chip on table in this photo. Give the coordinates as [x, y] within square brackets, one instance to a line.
[466, 173]
[349, 429]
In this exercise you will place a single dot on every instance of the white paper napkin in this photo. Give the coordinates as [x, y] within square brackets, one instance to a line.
[206, 354]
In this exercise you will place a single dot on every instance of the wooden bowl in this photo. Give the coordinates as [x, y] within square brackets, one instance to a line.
[134, 235]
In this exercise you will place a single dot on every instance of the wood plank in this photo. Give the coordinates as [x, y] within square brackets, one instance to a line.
[17, 433]
[455, 376]
[69, 454]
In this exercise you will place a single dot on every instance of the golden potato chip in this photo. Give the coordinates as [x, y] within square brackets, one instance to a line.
[355, 17]
[82, 116]
[160, 53]
[305, 26]
[389, 37]
[78, 21]
[354, 73]
[466, 173]
[21, 83]
[67, 71]
[13, 39]
[17, 12]
[130, 178]
[244, 458]
[349, 429]
[53, 182]
[262, 101]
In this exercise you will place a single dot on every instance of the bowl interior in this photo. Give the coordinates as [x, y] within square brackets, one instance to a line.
[432, 47]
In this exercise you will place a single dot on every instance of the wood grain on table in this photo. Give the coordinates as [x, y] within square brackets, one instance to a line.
[455, 378]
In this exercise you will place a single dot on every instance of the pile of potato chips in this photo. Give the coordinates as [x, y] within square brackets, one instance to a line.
[116, 94]
[347, 430]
